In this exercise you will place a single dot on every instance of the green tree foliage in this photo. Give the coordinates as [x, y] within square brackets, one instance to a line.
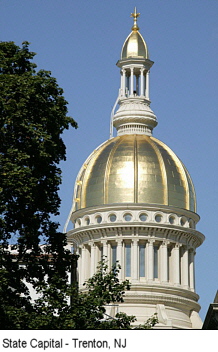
[88, 308]
[33, 116]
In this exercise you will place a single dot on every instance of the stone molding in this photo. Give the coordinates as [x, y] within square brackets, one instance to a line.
[182, 231]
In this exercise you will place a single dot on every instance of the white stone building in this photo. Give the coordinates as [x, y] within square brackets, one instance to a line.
[135, 202]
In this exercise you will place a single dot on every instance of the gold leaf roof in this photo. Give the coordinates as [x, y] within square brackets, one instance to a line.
[134, 47]
[134, 169]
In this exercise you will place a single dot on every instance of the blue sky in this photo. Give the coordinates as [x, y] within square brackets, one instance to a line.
[80, 42]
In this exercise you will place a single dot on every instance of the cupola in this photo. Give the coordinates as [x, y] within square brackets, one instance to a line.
[134, 114]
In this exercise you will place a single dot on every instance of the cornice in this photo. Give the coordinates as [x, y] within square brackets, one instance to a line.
[188, 237]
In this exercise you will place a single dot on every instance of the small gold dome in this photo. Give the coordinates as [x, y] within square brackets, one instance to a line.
[134, 169]
[134, 47]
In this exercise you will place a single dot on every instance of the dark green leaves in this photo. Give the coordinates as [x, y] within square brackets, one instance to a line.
[15, 60]
[33, 116]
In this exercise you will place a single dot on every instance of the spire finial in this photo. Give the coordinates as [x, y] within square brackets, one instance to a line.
[135, 15]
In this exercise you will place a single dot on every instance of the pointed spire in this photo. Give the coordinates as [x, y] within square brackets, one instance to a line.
[135, 15]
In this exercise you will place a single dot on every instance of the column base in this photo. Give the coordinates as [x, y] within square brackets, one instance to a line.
[176, 308]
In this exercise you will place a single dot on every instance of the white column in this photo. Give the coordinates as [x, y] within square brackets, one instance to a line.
[83, 266]
[164, 262]
[142, 92]
[150, 260]
[147, 85]
[123, 83]
[131, 81]
[79, 267]
[97, 256]
[185, 269]
[105, 250]
[93, 266]
[176, 264]
[120, 258]
[134, 260]
[192, 269]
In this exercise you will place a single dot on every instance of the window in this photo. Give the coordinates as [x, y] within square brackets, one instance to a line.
[168, 263]
[158, 218]
[87, 221]
[172, 220]
[78, 222]
[142, 260]
[155, 262]
[128, 259]
[143, 217]
[128, 217]
[112, 217]
[182, 221]
[113, 254]
[98, 219]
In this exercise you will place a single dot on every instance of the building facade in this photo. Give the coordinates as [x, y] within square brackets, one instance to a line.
[134, 202]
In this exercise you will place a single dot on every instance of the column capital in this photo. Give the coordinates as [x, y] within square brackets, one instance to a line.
[135, 241]
[192, 250]
[119, 241]
[165, 243]
[92, 244]
[177, 245]
[104, 241]
[151, 241]
[86, 245]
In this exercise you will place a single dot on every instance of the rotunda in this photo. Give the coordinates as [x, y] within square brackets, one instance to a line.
[134, 202]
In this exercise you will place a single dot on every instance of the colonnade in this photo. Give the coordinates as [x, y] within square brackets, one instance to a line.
[134, 81]
[147, 261]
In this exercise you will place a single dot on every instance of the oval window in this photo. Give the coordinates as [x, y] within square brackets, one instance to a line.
[78, 222]
[182, 221]
[172, 220]
[143, 217]
[98, 219]
[112, 217]
[87, 221]
[127, 217]
[158, 218]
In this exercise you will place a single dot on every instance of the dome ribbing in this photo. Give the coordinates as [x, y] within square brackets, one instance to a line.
[134, 169]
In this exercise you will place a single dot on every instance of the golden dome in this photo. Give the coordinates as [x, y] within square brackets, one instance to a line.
[134, 47]
[134, 169]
